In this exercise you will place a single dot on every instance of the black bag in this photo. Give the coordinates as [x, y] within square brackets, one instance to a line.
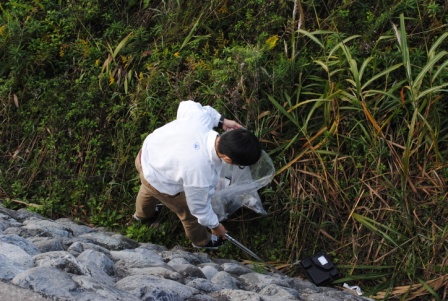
[319, 269]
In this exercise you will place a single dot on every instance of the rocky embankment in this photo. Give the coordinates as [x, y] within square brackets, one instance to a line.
[62, 260]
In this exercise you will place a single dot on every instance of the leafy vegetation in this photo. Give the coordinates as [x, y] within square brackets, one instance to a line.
[348, 97]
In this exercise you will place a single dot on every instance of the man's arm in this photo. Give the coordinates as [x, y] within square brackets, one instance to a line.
[189, 108]
[194, 111]
[200, 206]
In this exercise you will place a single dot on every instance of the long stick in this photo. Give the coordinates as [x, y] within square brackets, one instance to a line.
[248, 251]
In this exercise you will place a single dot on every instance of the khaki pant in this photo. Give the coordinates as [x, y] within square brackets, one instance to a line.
[148, 197]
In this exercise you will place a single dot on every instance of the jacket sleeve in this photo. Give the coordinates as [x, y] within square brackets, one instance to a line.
[199, 203]
[195, 112]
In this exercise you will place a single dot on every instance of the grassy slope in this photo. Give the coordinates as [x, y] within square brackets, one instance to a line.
[355, 125]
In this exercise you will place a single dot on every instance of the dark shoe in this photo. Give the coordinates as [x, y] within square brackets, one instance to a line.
[146, 221]
[214, 243]
[143, 220]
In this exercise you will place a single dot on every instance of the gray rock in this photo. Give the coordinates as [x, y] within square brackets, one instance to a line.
[111, 242]
[185, 257]
[9, 268]
[23, 214]
[75, 228]
[317, 297]
[49, 281]
[178, 261]
[104, 263]
[209, 271]
[224, 279]
[137, 258]
[204, 285]
[236, 269]
[22, 232]
[47, 244]
[29, 232]
[280, 292]
[154, 288]
[160, 272]
[188, 270]
[11, 292]
[21, 242]
[256, 282]
[95, 289]
[16, 254]
[52, 228]
[7, 214]
[77, 248]
[201, 298]
[98, 273]
[234, 294]
[153, 247]
[7, 222]
[304, 286]
[61, 260]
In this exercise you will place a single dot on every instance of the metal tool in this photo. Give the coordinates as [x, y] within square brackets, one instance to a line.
[242, 247]
[245, 249]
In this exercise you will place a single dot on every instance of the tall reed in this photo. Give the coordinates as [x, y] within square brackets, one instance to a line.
[367, 163]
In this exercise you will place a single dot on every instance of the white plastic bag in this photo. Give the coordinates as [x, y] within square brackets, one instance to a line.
[238, 187]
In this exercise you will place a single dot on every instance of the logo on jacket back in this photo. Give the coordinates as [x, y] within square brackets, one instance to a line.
[196, 146]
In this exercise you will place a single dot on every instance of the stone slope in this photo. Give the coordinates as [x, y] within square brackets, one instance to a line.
[62, 260]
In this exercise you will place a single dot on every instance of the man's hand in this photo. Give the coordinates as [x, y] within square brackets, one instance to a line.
[219, 231]
[228, 125]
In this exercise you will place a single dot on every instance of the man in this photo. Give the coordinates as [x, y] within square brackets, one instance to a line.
[180, 163]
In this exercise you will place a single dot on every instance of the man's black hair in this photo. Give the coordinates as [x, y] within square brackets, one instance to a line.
[241, 146]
